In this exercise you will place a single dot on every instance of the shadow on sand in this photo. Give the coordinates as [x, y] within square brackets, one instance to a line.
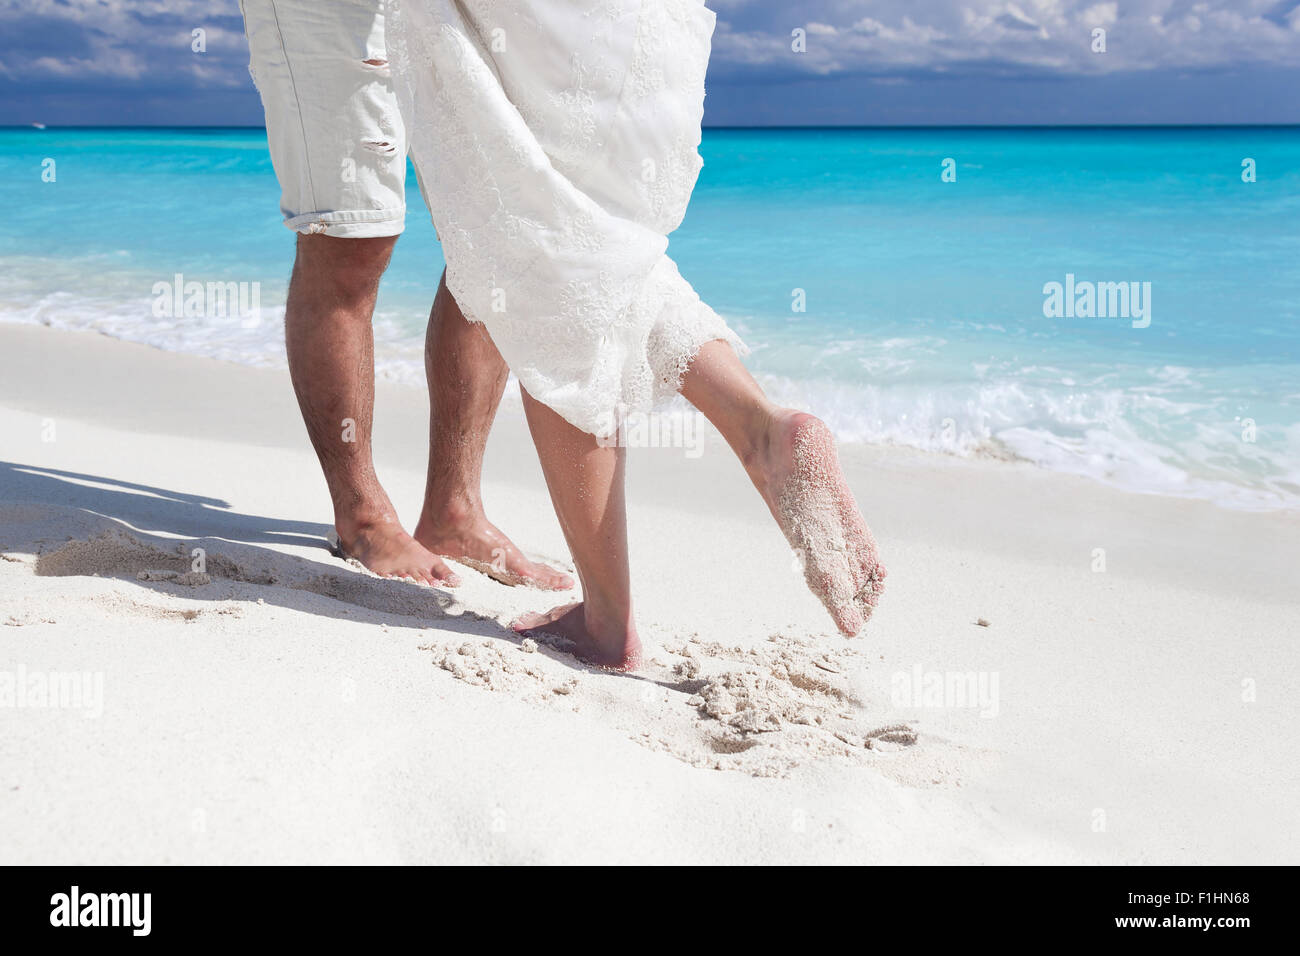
[84, 524]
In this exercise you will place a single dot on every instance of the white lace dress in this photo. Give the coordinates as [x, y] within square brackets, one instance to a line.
[556, 145]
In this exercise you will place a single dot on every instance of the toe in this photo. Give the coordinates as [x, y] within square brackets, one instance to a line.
[849, 619]
[550, 579]
[533, 620]
[530, 620]
[530, 574]
[870, 590]
[440, 574]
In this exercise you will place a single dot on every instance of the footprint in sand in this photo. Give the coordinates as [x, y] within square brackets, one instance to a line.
[788, 702]
[761, 711]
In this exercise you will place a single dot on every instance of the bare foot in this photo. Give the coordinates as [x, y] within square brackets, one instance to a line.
[480, 544]
[798, 474]
[387, 550]
[616, 648]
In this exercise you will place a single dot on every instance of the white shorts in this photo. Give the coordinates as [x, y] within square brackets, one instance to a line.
[335, 134]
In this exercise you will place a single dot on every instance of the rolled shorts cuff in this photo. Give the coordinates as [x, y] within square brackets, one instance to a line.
[356, 224]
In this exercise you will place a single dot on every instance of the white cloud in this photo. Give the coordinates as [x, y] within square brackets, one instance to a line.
[893, 36]
[149, 39]
[120, 39]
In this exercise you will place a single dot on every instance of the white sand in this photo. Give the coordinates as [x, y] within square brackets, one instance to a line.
[280, 706]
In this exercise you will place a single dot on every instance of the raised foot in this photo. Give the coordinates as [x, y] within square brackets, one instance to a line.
[384, 548]
[481, 546]
[614, 648]
[799, 476]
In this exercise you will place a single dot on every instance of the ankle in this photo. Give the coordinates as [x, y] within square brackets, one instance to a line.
[755, 440]
[366, 532]
[453, 513]
[357, 516]
[608, 620]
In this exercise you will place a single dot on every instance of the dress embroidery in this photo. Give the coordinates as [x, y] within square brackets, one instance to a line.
[558, 145]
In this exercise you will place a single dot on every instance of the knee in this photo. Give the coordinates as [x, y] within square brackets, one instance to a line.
[349, 268]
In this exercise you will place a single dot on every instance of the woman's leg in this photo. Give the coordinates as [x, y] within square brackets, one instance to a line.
[790, 457]
[586, 485]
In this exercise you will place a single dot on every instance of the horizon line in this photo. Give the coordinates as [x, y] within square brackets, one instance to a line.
[725, 126]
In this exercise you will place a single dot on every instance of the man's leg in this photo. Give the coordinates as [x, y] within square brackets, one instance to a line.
[331, 347]
[466, 378]
[339, 153]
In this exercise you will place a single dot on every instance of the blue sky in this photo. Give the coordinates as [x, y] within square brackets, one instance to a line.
[885, 62]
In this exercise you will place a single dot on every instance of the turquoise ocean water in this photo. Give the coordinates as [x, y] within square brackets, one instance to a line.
[902, 308]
